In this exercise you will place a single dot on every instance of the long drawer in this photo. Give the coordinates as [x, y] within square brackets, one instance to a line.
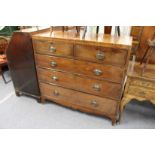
[98, 71]
[53, 48]
[101, 54]
[73, 98]
[88, 85]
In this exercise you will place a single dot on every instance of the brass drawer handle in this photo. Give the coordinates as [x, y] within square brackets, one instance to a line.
[98, 72]
[100, 55]
[55, 78]
[53, 64]
[56, 93]
[94, 103]
[96, 87]
[52, 49]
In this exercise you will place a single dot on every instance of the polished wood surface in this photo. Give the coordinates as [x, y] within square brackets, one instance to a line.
[80, 83]
[77, 100]
[53, 48]
[122, 42]
[94, 70]
[82, 73]
[104, 55]
[21, 63]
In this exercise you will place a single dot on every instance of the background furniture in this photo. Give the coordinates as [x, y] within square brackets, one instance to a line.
[149, 52]
[147, 33]
[82, 73]
[65, 28]
[21, 64]
[3, 61]
[139, 87]
[8, 30]
[136, 33]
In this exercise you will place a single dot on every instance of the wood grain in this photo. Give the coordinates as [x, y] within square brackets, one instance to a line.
[81, 83]
[74, 98]
[110, 56]
[82, 73]
[111, 73]
[53, 48]
[106, 40]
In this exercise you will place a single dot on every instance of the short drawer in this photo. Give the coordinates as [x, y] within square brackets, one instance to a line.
[70, 97]
[80, 83]
[94, 70]
[142, 92]
[53, 48]
[101, 54]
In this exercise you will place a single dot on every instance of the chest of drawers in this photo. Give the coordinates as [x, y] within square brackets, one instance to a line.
[84, 74]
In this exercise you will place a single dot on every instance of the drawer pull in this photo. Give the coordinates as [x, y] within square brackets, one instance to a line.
[55, 78]
[56, 93]
[100, 55]
[53, 64]
[52, 49]
[98, 72]
[94, 103]
[96, 87]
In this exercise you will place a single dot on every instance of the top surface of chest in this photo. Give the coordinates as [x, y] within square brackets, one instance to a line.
[123, 42]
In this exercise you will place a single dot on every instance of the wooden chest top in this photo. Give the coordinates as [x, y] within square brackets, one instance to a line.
[123, 42]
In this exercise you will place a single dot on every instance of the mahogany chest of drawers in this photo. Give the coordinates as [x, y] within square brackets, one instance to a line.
[84, 74]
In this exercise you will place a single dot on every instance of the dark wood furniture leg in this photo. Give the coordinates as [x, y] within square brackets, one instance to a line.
[118, 30]
[5, 81]
[107, 29]
[84, 32]
[97, 29]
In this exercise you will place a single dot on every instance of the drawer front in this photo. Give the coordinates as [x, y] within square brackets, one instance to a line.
[71, 97]
[142, 92]
[101, 55]
[142, 83]
[53, 48]
[98, 71]
[88, 85]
